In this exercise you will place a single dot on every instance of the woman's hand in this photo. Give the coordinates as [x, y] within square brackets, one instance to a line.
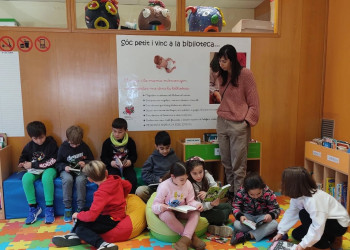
[75, 215]
[299, 247]
[277, 237]
[66, 168]
[201, 195]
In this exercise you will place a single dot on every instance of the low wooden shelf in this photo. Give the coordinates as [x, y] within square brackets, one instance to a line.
[211, 155]
[325, 163]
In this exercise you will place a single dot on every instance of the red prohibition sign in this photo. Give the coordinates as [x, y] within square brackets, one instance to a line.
[42, 43]
[24, 43]
[7, 43]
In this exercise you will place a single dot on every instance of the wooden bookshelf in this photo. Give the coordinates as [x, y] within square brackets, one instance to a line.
[325, 163]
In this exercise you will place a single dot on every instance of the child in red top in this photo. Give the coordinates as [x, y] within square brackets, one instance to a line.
[106, 211]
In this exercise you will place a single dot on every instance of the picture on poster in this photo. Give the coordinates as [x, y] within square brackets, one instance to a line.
[163, 81]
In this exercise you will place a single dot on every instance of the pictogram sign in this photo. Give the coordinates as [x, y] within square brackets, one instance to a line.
[42, 43]
[24, 43]
[7, 43]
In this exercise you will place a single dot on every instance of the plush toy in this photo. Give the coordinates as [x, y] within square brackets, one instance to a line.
[102, 14]
[154, 17]
[205, 19]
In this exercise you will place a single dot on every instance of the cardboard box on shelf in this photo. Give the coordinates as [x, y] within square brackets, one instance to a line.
[253, 26]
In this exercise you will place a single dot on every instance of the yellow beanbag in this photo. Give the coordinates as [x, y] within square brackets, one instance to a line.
[132, 225]
[162, 232]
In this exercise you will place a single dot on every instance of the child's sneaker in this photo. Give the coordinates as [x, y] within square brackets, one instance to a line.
[67, 240]
[109, 246]
[49, 215]
[33, 214]
[239, 237]
[222, 231]
[67, 215]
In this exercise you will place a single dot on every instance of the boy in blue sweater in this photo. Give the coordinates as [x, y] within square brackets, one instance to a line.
[157, 165]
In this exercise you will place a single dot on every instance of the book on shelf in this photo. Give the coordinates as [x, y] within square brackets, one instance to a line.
[330, 183]
[254, 225]
[216, 192]
[210, 137]
[3, 140]
[344, 194]
[282, 245]
[183, 208]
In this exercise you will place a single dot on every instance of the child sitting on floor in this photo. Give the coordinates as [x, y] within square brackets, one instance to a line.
[106, 211]
[216, 213]
[175, 191]
[254, 201]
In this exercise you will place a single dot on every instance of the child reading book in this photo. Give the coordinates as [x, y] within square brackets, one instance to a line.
[216, 213]
[173, 192]
[323, 219]
[254, 201]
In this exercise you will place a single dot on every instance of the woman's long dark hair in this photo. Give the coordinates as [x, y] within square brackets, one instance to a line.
[229, 52]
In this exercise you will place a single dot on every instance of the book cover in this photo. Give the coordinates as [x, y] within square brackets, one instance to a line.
[330, 182]
[344, 194]
[254, 225]
[282, 245]
[183, 208]
[216, 192]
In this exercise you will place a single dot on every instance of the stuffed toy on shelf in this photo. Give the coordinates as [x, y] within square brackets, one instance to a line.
[205, 19]
[154, 17]
[102, 14]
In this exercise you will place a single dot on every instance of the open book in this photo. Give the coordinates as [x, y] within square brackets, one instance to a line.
[282, 245]
[75, 168]
[183, 208]
[216, 192]
[254, 225]
[35, 171]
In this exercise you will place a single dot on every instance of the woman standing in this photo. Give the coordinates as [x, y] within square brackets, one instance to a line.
[237, 113]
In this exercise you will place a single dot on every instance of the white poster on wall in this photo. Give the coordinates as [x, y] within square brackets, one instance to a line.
[163, 81]
[11, 109]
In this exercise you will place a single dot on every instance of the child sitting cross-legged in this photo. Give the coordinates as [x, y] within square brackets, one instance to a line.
[216, 213]
[106, 211]
[254, 201]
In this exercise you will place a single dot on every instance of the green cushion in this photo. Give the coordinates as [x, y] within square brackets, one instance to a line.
[162, 232]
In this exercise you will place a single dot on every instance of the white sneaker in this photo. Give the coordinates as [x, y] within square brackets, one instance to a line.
[222, 231]
[109, 246]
